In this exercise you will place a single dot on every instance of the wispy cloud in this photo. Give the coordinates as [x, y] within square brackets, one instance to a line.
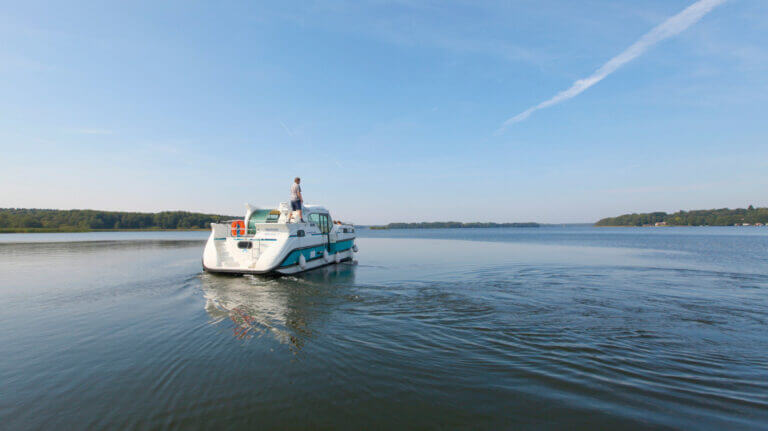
[287, 129]
[671, 27]
[91, 131]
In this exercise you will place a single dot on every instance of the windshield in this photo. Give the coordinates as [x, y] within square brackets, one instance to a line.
[262, 216]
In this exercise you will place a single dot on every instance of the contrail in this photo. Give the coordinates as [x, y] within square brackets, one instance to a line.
[671, 27]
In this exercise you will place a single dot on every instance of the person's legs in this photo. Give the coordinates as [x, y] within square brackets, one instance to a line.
[295, 206]
[301, 213]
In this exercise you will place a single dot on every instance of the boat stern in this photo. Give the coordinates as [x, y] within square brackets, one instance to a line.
[228, 250]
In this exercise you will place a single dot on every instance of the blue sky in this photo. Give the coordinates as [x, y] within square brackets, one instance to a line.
[389, 111]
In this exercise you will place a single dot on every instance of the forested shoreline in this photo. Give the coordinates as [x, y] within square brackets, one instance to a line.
[51, 220]
[713, 217]
[451, 224]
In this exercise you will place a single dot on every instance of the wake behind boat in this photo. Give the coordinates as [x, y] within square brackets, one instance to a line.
[264, 242]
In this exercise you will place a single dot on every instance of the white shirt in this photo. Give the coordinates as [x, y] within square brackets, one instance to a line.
[295, 190]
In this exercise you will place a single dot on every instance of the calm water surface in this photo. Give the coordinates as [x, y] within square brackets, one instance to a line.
[478, 328]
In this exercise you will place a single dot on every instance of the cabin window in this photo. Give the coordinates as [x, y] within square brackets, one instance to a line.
[244, 244]
[322, 221]
[300, 233]
[314, 219]
[325, 223]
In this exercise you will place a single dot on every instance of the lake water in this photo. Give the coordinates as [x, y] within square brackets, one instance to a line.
[553, 327]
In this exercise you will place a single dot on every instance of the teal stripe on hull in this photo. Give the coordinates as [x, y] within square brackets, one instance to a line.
[341, 246]
[293, 258]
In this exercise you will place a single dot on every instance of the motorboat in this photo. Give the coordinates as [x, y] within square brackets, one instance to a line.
[264, 242]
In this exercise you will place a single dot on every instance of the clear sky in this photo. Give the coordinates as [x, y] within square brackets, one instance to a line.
[389, 111]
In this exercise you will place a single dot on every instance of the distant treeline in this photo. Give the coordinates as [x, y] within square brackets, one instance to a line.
[717, 217]
[450, 224]
[45, 220]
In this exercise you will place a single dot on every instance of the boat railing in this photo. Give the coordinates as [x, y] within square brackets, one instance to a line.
[224, 229]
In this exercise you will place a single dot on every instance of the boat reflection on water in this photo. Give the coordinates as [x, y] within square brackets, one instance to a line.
[286, 308]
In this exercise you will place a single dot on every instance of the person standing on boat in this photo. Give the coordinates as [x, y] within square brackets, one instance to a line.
[297, 200]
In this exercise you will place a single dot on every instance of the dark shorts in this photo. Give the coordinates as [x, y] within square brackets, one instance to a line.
[295, 205]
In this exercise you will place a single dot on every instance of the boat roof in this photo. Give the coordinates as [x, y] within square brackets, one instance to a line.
[316, 208]
[307, 208]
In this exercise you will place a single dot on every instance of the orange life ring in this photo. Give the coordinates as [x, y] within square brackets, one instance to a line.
[238, 228]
